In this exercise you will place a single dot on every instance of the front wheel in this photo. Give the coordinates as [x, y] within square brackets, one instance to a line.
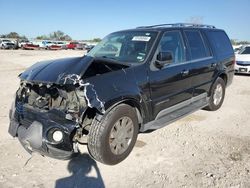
[112, 138]
[217, 95]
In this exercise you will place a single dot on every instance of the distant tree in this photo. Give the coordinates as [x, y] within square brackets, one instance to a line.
[66, 37]
[23, 37]
[234, 41]
[42, 37]
[59, 35]
[13, 35]
[96, 40]
[244, 42]
[3, 36]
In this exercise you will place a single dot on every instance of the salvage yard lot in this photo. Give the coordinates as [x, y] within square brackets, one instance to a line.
[205, 149]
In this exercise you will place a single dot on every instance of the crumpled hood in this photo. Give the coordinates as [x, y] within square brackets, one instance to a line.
[53, 71]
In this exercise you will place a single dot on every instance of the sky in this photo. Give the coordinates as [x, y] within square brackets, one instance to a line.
[95, 18]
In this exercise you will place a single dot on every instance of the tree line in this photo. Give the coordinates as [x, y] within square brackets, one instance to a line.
[56, 35]
[13, 35]
[237, 42]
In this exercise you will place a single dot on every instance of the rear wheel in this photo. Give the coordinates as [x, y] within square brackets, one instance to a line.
[217, 95]
[112, 138]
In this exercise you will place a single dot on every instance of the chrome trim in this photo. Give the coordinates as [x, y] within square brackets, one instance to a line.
[186, 62]
[180, 105]
[201, 59]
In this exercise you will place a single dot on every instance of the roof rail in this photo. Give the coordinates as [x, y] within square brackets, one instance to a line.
[179, 25]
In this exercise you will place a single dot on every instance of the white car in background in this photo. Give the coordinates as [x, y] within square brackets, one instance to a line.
[237, 48]
[242, 65]
[7, 44]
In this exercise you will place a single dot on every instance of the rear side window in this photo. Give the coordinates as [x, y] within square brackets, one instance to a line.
[197, 47]
[220, 43]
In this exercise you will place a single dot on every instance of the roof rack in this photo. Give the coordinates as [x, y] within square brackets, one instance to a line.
[179, 25]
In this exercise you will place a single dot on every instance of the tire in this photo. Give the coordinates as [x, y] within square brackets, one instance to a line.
[106, 136]
[217, 95]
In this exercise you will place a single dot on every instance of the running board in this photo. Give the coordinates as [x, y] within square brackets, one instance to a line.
[176, 112]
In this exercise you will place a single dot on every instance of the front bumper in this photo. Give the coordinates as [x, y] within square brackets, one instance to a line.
[8, 47]
[242, 69]
[34, 128]
[30, 47]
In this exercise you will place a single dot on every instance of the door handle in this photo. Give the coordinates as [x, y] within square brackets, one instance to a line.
[185, 72]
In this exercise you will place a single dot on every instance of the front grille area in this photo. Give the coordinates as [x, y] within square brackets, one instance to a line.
[20, 114]
[19, 107]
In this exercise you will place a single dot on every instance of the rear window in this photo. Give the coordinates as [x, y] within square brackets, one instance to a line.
[220, 43]
[245, 50]
[198, 49]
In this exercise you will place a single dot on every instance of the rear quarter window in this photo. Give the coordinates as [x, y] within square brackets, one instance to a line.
[220, 43]
[197, 46]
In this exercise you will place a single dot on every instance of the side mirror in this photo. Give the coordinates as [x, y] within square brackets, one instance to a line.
[163, 58]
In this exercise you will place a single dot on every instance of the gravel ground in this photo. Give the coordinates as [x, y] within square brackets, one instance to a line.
[204, 149]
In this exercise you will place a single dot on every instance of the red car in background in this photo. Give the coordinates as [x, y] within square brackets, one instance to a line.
[76, 46]
[30, 46]
[72, 45]
[54, 46]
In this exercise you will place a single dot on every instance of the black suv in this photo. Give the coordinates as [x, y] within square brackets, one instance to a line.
[133, 81]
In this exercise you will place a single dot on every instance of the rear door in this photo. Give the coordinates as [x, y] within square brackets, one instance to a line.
[223, 50]
[202, 63]
[171, 84]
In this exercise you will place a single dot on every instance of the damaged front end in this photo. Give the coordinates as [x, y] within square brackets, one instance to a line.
[45, 117]
[49, 117]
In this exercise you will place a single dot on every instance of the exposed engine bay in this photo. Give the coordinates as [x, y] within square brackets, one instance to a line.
[45, 97]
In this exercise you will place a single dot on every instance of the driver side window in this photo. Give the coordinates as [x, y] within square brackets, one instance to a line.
[172, 41]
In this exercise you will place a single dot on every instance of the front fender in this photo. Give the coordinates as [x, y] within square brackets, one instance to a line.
[115, 87]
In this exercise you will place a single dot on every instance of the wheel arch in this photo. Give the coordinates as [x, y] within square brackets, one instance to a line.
[92, 112]
[139, 110]
[223, 76]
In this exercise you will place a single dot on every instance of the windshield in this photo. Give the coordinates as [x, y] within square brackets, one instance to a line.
[245, 50]
[130, 46]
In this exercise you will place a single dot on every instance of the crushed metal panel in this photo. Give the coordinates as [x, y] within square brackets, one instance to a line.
[92, 98]
[89, 91]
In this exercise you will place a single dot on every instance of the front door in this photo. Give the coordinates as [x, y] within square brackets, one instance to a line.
[170, 84]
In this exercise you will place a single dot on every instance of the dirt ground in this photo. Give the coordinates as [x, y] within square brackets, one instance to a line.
[205, 149]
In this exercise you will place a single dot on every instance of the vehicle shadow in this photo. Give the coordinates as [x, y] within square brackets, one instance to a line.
[80, 167]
